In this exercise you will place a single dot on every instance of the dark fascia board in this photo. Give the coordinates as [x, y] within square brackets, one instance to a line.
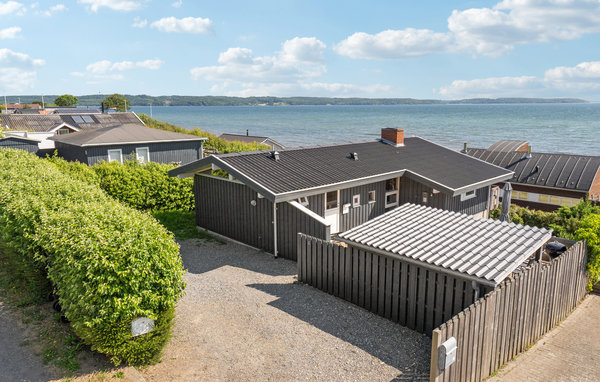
[128, 143]
[207, 163]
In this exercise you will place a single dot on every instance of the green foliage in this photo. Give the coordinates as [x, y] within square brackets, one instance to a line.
[108, 263]
[182, 224]
[580, 222]
[75, 170]
[117, 101]
[66, 100]
[145, 186]
[214, 142]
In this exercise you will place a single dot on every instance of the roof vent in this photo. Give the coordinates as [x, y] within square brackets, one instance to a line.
[528, 156]
[275, 155]
[354, 156]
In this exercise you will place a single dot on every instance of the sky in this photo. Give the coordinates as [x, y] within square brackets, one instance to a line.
[427, 49]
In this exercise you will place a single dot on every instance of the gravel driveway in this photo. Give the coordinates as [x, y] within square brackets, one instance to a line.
[244, 317]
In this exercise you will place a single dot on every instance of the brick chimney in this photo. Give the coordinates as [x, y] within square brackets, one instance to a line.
[393, 136]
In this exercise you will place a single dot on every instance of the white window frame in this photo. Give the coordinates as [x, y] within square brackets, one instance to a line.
[468, 195]
[137, 155]
[425, 197]
[120, 155]
[394, 192]
[372, 199]
[337, 206]
[63, 130]
[356, 201]
[303, 200]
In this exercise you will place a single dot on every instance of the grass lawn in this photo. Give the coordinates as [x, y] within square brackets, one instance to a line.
[181, 224]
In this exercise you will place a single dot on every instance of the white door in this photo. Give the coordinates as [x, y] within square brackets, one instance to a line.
[332, 210]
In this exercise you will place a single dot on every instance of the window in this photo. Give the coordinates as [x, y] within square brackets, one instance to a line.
[523, 195]
[569, 202]
[544, 198]
[356, 201]
[371, 196]
[142, 154]
[87, 119]
[115, 155]
[63, 131]
[391, 193]
[303, 200]
[514, 194]
[424, 197]
[471, 194]
[554, 200]
[331, 200]
[77, 119]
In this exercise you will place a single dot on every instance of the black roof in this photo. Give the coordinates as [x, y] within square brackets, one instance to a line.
[565, 171]
[307, 170]
[123, 134]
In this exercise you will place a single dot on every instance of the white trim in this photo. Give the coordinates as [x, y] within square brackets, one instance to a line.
[374, 196]
[303, 200]
[137, 155]
[310, 213]
[120, 155]
[395, 192]
[356, 201]
[337, 206]
[467, 196]
[60, 126]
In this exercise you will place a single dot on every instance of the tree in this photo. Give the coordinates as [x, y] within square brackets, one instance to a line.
[117, 101]
[66, 100]
[38, 102]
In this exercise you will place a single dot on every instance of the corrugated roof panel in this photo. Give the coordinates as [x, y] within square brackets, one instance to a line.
[478, 247]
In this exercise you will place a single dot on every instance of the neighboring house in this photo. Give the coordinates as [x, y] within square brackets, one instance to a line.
[117, 143]
[544, 181]
[27, 144]
[252, 139]
[271, 196]
[21, 106]
[42, 127]
[75, 110]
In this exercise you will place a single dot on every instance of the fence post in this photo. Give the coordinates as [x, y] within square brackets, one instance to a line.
[434, 370]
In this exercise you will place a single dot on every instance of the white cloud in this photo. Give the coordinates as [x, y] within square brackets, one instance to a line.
[17, 70]
[391, 44]
[139, 23]
[9, 33]
[291, 71]
[116, 5]
[579, 81]
[483, 31]
[9, 7]
[177, 4]
[54, 9]
[105, 66]
[196, 25]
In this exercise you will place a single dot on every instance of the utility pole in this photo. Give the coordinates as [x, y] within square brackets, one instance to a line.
[150, 109]
[5, 105]
[43, 105]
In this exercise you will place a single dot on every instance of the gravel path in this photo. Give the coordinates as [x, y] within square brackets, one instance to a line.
[244, 317]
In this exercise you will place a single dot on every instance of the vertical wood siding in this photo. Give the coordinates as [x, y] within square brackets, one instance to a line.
[9, 143]
[72, 153]
[366, 210]
[224, 207]
[408, 294]
[291, 221]
[167, 152]
[512, 317]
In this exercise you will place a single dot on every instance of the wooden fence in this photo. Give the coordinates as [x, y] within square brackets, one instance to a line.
[512, 317]
[413, 296]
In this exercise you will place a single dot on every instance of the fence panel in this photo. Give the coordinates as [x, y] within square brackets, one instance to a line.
[511, 317]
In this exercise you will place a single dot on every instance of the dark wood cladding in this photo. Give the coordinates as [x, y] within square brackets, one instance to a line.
[291, 221]
[225, 207]
[412, 192]
[408, 294]
[366, 210]
[167, 152]
[14, 143]
[548, 191]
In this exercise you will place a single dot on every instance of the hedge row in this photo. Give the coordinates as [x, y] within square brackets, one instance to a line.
[108, 263]
[580, 222]
[141, 186]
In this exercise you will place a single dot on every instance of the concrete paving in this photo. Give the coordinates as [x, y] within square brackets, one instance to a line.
[570, 352]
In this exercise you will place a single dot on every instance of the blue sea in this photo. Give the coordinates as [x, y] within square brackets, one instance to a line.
[569, 128]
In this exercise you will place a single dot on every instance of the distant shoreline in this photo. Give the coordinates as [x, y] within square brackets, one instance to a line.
[146, 100]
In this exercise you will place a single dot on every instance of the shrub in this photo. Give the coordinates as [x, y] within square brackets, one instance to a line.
[145, 186]
[108, 263]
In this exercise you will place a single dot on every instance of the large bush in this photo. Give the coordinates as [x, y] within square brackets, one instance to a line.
[108, 263]
[141, 186]
[580, 222]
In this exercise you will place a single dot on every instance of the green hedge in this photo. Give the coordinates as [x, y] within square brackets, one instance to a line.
[141, 186]
[107, 262]
[580, 222]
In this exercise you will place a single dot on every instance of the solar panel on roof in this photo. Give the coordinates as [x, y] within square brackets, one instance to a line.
[87, 119]
[77, 119]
